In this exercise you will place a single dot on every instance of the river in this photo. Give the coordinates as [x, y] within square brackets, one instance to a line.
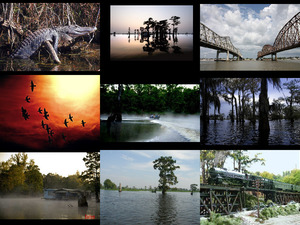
[226, 133]
[144, 207]
[38, 208]
[138, 128]
[135, 48]
[280, 65]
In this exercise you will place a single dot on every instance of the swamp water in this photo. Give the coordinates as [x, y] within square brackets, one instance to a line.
[226, 133]
[137, 48]
[144, 207]
[37, 208]
[142, 129]
[88, 60]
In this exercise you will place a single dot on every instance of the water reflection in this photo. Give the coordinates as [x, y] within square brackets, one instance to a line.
[282, 132]
[166, 209]
[84, 61]
[138, 47]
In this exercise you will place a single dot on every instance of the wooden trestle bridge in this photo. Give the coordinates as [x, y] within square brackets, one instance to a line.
[227, 200]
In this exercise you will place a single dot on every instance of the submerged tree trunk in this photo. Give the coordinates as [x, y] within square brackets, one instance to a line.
[263, 127]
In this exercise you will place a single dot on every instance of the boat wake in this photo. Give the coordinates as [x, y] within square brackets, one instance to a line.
[187, 133]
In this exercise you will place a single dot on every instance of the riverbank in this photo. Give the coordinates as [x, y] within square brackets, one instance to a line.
[148, 190]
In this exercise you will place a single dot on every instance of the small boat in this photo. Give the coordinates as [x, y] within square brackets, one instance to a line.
[155, 117]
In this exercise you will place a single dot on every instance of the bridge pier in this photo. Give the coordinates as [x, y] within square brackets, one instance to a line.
[275, 57]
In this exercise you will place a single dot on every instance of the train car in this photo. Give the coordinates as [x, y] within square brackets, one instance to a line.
[222, 176]
[225, 177]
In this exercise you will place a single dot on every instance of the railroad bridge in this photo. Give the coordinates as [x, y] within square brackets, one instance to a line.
[210, 39]
[287, 38]
[227, 200]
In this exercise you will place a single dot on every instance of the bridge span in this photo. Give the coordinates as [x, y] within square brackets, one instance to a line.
[287, 38]
[210, 39]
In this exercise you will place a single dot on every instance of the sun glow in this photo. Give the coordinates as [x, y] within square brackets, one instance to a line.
[76, 87]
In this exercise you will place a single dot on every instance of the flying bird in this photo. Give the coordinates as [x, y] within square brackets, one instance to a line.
[82, 122]
[66, 123]
[64, 136]
[43, 124]
[50, 140]
[71, 117]
[27, 99]
[48, 129]
[46, 116]
[32, 86]
[40, 110]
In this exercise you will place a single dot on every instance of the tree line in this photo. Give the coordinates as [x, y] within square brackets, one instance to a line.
[240, 94]
[149, 98]
[19, 175]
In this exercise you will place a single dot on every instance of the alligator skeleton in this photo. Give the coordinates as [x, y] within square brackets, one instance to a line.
[33, 42]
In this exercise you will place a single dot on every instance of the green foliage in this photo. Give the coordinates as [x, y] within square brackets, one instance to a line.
[108, 184]
[217, 219]
[166, 167]
[19, 176]
[293, 177]
[148, 98]
[275, 211]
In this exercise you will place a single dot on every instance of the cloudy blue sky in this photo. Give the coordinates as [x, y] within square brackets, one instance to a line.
[250, 26]
[273, 93]
[135, 167]
[277, 161]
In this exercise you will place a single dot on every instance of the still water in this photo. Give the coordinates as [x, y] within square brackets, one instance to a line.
[179, 128]
[136, 48]
[37, 208]
[88, 60]
[250, 65]
[226, 133]
[142, 207]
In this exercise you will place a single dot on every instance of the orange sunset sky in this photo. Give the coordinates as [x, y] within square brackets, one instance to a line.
[60, 95]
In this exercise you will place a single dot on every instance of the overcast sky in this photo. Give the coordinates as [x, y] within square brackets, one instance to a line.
[134, 16]
[277, 161]
[63, 163]
[273, 93]
[250, 26]
[135, 167]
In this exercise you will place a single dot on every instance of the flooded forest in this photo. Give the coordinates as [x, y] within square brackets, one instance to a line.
[250, 111]
[50, 36]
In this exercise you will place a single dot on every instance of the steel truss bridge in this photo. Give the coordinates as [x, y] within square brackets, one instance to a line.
[287, 38]
[227, 200]
[210, 39]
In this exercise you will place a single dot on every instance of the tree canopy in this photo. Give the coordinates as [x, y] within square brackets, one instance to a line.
[166, 167]
[148, 98]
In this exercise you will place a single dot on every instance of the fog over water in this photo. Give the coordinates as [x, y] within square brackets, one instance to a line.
[38, 208]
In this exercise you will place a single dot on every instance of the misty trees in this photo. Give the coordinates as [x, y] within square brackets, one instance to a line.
[166, 167]
[175, 22]
[92, 174]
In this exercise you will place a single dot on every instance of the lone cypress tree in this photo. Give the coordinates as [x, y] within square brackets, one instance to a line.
[166, 167]
[92, 174]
